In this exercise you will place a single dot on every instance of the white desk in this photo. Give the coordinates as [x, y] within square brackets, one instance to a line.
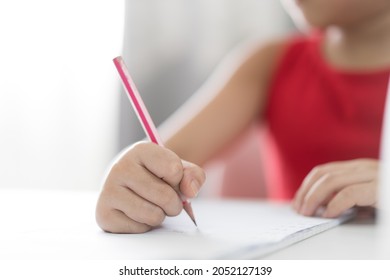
[44, 224]
[355, 240]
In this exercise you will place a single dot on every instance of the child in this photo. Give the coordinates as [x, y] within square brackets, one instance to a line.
[322, 98]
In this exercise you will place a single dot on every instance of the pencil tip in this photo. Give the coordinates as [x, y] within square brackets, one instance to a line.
[187, 207]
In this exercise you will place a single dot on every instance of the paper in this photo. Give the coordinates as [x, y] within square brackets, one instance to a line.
[246, 228]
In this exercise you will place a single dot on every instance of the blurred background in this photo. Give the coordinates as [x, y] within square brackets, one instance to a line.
[63, 115]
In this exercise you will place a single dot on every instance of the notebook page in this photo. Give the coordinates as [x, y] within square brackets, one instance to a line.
[248, 228]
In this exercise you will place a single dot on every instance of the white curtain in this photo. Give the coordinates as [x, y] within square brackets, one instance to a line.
[171, 47]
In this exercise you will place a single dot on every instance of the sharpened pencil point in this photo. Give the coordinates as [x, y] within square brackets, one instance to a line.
[187, 207]
[194, 222]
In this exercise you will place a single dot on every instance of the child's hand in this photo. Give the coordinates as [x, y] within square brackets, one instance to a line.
[141, 189]
[338, 186]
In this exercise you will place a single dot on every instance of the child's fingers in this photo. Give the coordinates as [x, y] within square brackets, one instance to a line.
[314, 175]
[115, 221]
[325, 170]
[327, 186]
[162, 162]
[147, 186]
[120, 210]
[142, 188]
[193, 179]
[332, 180]
[137, 208]
[355, 195]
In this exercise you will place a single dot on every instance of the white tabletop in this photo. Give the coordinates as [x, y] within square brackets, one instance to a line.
[355, 240]
[48, 224]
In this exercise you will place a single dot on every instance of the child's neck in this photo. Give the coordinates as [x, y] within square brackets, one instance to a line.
[362, 47]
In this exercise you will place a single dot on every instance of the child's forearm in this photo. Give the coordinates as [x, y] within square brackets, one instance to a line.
[227, 104]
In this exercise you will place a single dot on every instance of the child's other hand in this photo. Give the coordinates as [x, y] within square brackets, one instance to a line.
[338, 186]
[141, 189]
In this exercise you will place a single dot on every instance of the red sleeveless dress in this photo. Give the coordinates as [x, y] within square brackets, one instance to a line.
[318, 114]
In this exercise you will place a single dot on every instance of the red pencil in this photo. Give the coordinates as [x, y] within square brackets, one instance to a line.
[144, 117]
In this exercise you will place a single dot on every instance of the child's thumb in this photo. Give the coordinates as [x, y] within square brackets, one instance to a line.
[193, 179]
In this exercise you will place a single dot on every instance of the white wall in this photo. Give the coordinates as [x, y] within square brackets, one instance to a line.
[58, 91]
